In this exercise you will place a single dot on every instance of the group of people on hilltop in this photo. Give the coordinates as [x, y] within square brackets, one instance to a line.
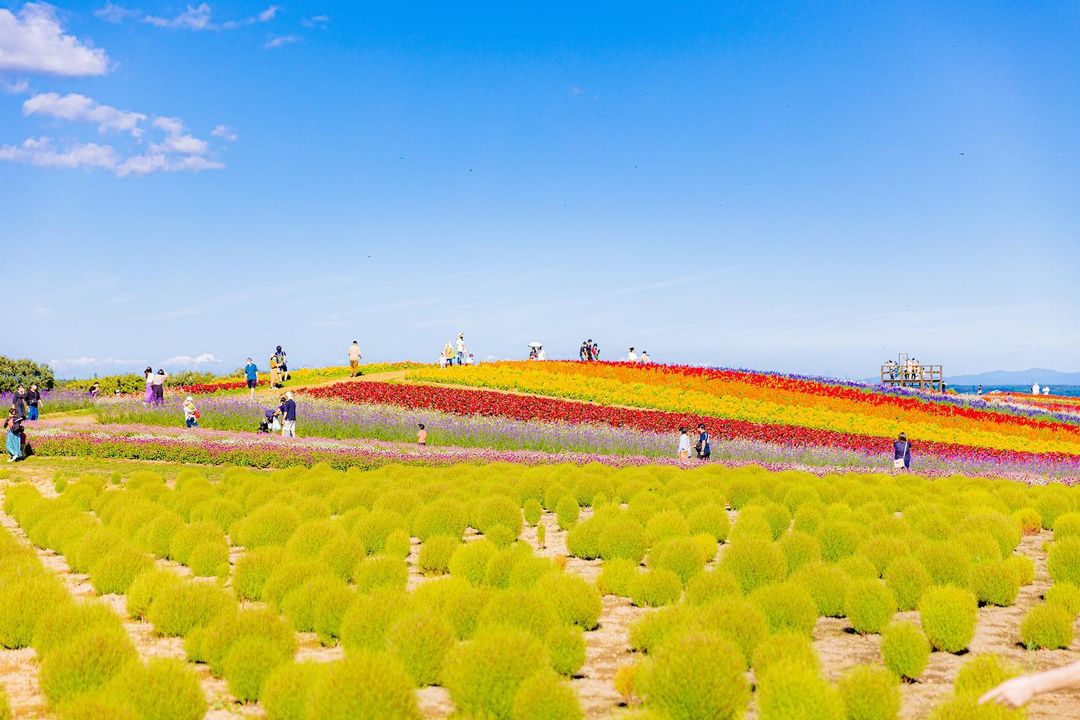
[25, 406]
[155, 386]
[643, 358]
[589, 351]
[910, 369]
[456, 352]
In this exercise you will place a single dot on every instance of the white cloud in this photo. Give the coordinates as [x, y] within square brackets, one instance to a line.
[173, 126]
[34, 41]
[14, 87]
[315, 21]
[204, 359]
[81, 362]
[75, 107]
[280, 41]
[182, 144]
[41, 153]
[224, 132]
[194, 18]
[115, 13]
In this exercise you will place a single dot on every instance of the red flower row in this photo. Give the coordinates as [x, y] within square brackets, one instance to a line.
[208, 388]
[527, 407]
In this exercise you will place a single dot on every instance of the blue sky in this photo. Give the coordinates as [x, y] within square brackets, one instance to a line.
[795, 186]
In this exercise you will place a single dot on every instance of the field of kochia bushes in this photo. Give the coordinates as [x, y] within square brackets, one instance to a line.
[423, 577]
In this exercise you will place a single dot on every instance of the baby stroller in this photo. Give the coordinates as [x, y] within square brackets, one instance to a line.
[270, 422]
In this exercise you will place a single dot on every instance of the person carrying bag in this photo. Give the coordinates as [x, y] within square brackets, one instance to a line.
[902, 453]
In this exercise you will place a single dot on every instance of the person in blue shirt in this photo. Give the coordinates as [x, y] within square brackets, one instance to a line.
[251, 371]
[288, 411]
[902, 453]
[704, 450]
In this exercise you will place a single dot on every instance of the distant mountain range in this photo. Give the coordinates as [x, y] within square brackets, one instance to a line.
[1043, 376]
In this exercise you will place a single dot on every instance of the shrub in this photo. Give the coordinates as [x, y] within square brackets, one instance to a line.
[484, 675]
[947, 562]
[905, 649]
[869, 693]
[968, 708]
[566, 646]
[791, 646]
[574, 600]
[301, 602]
[754, 563]
[435, 554]
[97, 706]
[616, 576]
[583, 540]
[253, 569]
[983, 673]
[24, 599]
[69, 620]
[948, 616]
[787, 607]
[1023, 566]
[85, 663]
[908, 580]
[799, 549]
[738, 621]
[623, 538]
[520, 610]
[1028, 519]
[161, 688]
[827, 586]
[498, 510]
[869, 605]
[666, 524]
[366, 621]
[751, 524]
[144, 588]
[470, 560]
[186, 538]
[1063, 561]
[655, 588]
[651, 629]
[271, 524]
[697, 675]
[788, 690]
[995, 583]
[1051, 504]
[180, 608]
[1065, 595]
[567, 511]
[380, 571]
[114, 572]
[533, 511]
[1047, 626]
[311, 537]
[398, 544]
[93, 546]
[212, 643]
[285, 691]
[839, 539]
[681, 555]
[364, 685]
[210, 559]
[341, 554]
[420, 641]
[330, 609]
[544, 697]
[882, 551]
[541, 536]
[705, 587]
[710, 518]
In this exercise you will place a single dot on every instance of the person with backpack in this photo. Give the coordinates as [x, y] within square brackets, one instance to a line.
[191, 414]
[282, 363]
[703, 448]
[902, 454]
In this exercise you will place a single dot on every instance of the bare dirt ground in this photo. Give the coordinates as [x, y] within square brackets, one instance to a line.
[607, 648]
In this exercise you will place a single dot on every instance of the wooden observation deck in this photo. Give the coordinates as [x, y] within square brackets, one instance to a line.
[908, 373]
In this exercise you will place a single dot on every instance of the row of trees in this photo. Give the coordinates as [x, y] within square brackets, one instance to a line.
[23, 372]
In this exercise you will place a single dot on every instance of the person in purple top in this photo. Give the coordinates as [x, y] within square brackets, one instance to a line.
[902, 453]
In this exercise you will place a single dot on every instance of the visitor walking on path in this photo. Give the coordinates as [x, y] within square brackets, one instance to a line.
[902, 454]
[631, 356]
[288, 411]
[1019, 691]
[275, 372]
[447, 355]
[583, 352]
[645, 359]
[251, 374]
[684, 444]
[148, 375]
[354, 358]
[703, 448]
[461, 349]
[159, 386]
[15, 435]
[421, 435]
[33, 402]
[18, 402]
[282, 362]
[191, 415]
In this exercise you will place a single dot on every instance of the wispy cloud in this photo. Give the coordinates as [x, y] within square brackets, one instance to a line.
[14, 87]
[195, 17]
[315, 21]
[190, 360]
[34, 41]
[84, 362]
[173, 150]
[224, 132]
[280, 41]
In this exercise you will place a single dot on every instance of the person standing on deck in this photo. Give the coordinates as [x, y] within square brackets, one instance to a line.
[354, 358]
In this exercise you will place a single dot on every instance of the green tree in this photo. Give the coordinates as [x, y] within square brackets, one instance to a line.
[23, 372]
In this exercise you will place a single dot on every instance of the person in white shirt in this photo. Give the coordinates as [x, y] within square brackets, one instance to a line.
[1046, 389]
[461, 349]
[354, 358]
[541, 355]
[631, 356]
[645, 357]
[684, 444]
[1035, 389]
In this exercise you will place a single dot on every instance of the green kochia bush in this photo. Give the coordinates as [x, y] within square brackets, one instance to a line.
[1063, 561]
[253, 569]
[737, 620]
[948, 616]
[181, 608]
[85, 663]
[983, 673]
[787, 607]
[705, 587]
[271, 524]
[870, 693]
[162, 688]
[905, 649]
[681, 555]
[1066, 595]
[826, 584]
[655, 588]
[1047, 626]
[755, 562]
[995, 583]
[435, 554]
[69, 620]
[697, 675]
[470, 561]
[366, 621]
[249, 662]
[114, 572]
[908, 580]
[566, 511]
[795, 647]
[421, 641]
[363, 685]
[710, 518]
[145, 587]
[788, 690]
[623, 538]
[616, 577]
[484, 675]
[285, 690]
[869, 605]
[574, 600]
[544, 697]
[532, 510]
[566, 645]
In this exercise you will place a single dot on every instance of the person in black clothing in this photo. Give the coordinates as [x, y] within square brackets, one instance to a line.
[33, 402]
[282, 363]
[18, 402]
[16, 436]
[902, 453]
[703, 448]
[288, 411]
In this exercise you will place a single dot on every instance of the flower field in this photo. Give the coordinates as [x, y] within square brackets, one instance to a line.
[528, 591]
